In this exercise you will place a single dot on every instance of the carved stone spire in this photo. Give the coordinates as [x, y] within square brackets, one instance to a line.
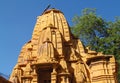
[54, 55]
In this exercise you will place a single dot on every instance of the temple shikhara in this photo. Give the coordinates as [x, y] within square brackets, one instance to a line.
[54, 55]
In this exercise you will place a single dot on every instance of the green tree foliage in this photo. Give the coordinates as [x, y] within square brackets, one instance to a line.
[98, 34]
[113, 42]
[89, 27]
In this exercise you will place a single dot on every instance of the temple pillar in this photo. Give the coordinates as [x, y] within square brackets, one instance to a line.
[64, 78]
[27, 81]
[34, 75]
[34, 79]
[53, 77]
[54, 74]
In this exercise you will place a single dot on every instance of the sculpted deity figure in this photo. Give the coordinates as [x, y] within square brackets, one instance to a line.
[82, 72]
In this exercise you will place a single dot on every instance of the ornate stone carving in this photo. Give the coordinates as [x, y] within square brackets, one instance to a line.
[54, 55]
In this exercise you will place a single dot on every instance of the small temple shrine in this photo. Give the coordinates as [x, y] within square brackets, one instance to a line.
[54, 55]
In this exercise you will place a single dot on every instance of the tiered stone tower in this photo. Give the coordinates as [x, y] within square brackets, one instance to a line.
[54, 55]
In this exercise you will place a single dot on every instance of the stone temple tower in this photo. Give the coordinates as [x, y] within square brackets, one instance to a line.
[54, 55]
